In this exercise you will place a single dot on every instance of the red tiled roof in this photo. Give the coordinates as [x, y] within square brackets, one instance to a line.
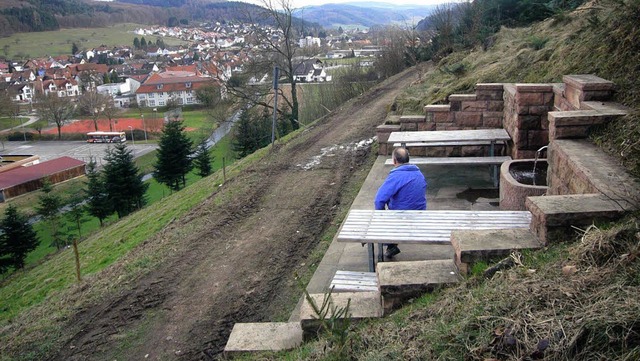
[22, 175]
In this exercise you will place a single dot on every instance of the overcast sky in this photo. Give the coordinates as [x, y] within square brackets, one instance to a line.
[301, 3]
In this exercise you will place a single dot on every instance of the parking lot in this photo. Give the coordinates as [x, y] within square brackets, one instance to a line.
[80, 150]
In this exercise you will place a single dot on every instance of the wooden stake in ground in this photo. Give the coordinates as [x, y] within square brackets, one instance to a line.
[77, 255]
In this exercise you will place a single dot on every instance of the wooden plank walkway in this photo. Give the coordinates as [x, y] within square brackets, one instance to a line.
[455, 160]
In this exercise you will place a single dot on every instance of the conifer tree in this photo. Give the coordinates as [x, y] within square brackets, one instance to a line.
[202, 160]
[123, 181]
[49, 206]
[17, 239]
[244, 136]
[98, 202]
[173, 161]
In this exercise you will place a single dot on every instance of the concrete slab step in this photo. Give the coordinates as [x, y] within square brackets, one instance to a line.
[474, 246]
[361, 305]
[267, 336]
[401, 281]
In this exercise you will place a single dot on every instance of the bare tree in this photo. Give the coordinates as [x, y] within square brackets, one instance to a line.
[93, 103]
[54, 109]
[277, 47]
[110, 111]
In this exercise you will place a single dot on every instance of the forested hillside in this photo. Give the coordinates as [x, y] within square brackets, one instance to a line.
[18, 16]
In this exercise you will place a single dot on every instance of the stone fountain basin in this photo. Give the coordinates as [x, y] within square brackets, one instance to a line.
[517, 182]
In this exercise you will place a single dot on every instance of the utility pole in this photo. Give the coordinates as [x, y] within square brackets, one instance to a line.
[276, 74]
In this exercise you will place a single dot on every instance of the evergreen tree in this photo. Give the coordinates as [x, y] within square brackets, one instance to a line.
[244, 136]
[143, 43]
[136, 43]
[17, 239]
[74, 49]
[114, 78]
[98, 202]
[123, 181]
[48, 207]
[202, 160]
[173, 162]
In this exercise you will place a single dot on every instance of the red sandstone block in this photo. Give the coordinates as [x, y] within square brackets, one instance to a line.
[522, 109]
[455, 106]
[530, 98]
[538, 109]
[495, 105]
[468, 119]
[426, 126]
[548, 99]
[569, 132]
[492, 122]
[526, 122]
[408, 127]
[573, 96]
[544, 122]
[597, 95]
[474, 106]
[538, 138]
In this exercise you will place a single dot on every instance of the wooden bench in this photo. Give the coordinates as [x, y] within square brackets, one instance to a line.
[455, 160]
[421, 227]
[440, 138]
[354, 281]
[492, 161]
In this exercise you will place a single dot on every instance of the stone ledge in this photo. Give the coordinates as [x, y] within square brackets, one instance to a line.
[474, 246]
[533, 88]
[362, 305]
[604, 173]
[461, 97]
[609, 107]
[587, 82]
[437, 108]
[584, 117]
[489, 86]
[268, 336]
[412, 119]
[401, 281]
[553, 217]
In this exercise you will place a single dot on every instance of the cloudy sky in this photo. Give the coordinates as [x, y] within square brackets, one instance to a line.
[301, 3]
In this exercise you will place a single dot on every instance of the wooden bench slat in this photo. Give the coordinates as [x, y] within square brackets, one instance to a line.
[338, 287]
[450, 136]
[455, 160]
[461, 143]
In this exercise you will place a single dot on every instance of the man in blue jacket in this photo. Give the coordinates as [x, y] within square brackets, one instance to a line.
[405, 188]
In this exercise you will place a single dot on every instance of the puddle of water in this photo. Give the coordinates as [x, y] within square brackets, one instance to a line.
[472, 195]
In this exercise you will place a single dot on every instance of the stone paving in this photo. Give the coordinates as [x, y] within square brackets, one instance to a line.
[449, 187]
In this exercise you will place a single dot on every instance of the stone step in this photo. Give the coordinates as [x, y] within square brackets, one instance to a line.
[401, 281]
[267, 336]
[361, 305]
[481, 245]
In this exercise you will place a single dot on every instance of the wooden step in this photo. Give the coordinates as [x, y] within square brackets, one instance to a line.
[267, 336]
[401, 281]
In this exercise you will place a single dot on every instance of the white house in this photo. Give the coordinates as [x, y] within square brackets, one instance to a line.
[311, 70]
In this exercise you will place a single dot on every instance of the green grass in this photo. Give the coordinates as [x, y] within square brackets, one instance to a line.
[59, 42]
[10, 122]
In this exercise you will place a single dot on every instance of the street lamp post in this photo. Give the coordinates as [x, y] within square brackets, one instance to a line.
[144, 126]
[132, 138]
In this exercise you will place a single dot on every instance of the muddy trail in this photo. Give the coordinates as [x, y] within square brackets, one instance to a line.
[234, 255]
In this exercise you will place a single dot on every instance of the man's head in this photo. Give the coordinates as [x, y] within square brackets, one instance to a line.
[400, 156]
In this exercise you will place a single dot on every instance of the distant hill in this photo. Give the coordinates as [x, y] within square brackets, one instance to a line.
[364, 14]
[18, 16]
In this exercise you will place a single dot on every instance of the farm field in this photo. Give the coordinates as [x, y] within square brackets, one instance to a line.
[55, 43]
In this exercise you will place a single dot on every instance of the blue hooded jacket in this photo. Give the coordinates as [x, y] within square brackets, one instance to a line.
[405, 188]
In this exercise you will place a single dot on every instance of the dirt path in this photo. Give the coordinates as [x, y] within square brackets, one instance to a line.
[237, 250]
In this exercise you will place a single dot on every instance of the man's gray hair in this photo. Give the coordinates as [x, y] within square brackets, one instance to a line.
[401, 155]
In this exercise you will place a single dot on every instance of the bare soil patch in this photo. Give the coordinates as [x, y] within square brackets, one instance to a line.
[237, 251]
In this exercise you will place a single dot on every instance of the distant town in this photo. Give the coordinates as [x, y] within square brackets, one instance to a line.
[149, 74]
